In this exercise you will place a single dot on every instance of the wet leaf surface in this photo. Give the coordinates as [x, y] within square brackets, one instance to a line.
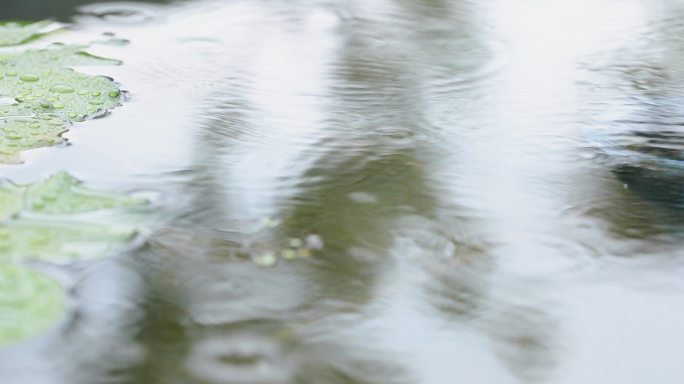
[30, 302]
[57, 220]
[15, 33]
[60, 219]
[49, 96]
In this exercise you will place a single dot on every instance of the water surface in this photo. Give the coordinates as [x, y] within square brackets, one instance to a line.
[484, 192]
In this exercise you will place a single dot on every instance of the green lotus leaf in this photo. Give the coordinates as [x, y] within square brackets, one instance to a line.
[40, 76]
[15, 33]
[60, 239]
[48, 96]
[56, 55]
[30, 302]
[63, 194]
[26, 126]
[59, 219]
[11, 201]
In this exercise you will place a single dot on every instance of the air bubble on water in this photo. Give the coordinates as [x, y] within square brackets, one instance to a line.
[266, 259]
[314, 242]
[363, 197]
[270, 222]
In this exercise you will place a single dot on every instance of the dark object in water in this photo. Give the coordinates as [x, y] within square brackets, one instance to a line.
[665, 187]
[650, 163]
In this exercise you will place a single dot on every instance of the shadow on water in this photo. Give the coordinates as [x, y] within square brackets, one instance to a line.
[346, 159]
[293, 322]
[61, 10]
[640, 136]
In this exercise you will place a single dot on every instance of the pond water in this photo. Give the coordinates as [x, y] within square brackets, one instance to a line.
[478, 192]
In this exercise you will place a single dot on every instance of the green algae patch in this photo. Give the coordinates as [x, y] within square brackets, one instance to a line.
[48, 96]
[30, 303]
[20, 32]
[60, 219]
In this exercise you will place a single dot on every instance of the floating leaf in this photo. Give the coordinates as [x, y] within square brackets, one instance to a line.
[48, 96]
[42, 239]
[60, 219]
[29, 302]
[56, 55]
[27, 126]
[63, 194]
[15, 33]
[55, 220]
[40, 76]
[266, 259]
[11, 200]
